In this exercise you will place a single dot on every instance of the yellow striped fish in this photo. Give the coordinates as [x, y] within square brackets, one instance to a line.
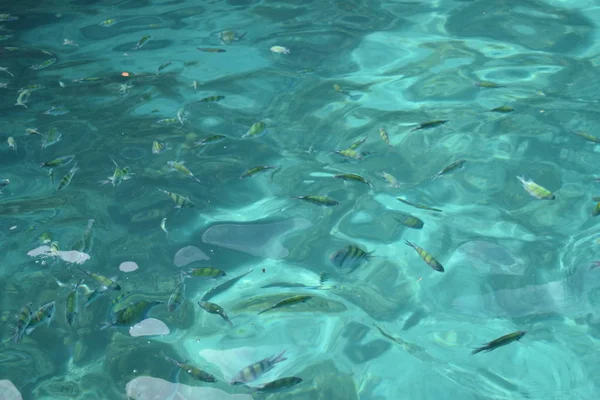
[254, 371]
[428, 258]
[536, 190]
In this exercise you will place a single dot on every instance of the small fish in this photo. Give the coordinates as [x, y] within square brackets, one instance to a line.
[339, 89]
[454, 166]
[52, 137]
[119, 175]
[501, 341]
[163, 226]
[587, 136]
[430, 124]
[353, 177]
[43, 65]
[318, 200]
[12, 143]
[57, 110]
[179, 166]
[205, 272]
[428, 258]
[596, 210]
[179, 200]
[536, 190]
[72, 307]
[92, 295]
[488, 85]
[280, 50]
[58, 162]
[211, 49]
[279, 385]
[256, 170]
[210, 99]
[222, 287]
[421, 206]
[8, 18]
[391, 179]
[228, 36]
[290, 301]
[84, 245]
[54, 250]
[210, 140]
[256, 130]
[182, 116]
[142, 42]
[158, 147]
[31, 88]
[69, 42]
[102, 280]
[350, 257]
[23, 320]
[44, 315]
[62, 84]
[108, 22]
[357, 144]
[254, 371]
[5, 69]
[503, 109]
[385, 137]
[131, 314]
[349, 153]
[167, 121]
[162, 66]
[32, 131]
[177, 297]
[195, 86]
[66, 180]
[23, 98]
[4, 182]
[192, 371]
[213, 308]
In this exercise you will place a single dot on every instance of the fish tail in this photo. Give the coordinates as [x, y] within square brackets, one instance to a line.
[479, 350]
[280, 357]
[265, 310]
[410, 244]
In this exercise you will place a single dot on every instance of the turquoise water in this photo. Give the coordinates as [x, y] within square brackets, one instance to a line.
[393, 328]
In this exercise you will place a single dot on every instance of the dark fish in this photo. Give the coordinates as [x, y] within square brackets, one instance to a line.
[211, 99]
[455, 165]
[430, 124]
[255, 170]
[501, 341]
[318, 200]
[288, 302]
[353, 177]
[408, 220]
[223, 287]
[279, 385]
[587, 136]
[428, 258]
[215, 309]
[177, 297]
[23, 320]
[421, 206]
[488, 85]
[132, 314]
[254, 371]
[503, 109]
[350, 257]
[211, 49]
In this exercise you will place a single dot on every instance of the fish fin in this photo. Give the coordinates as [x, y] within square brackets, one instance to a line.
[105, 325]
[280, 357]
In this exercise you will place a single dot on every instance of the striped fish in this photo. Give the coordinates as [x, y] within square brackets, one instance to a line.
[408, 220]
[205, 272]
[428, 258]
[350, 257]
[177, 297]
[23, 320]
[192, 371]
[213, 308]
[254, 371]
[210, 99]
[536, 190]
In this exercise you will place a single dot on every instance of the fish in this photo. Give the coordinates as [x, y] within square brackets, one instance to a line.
[12, 143]
[195, 86]
[119, 176]
[162, 66]
[32, 131]
[179, 200]
[163, 226]
[158, 147]
[501, 341]
[357, 144]
[408, 220]
[536, 190]
[192, 371]
[103, 281]
[280, 50]
[44, 315]
[4, 182]
[205, 272]
[58, 162]
[255, 170]
[31, 88]
[288, 302]
[449, 168]
[596, 210]
[228, 36]
[22, 98]
[23, 320]
[108, 22]
[210, 140]
[213, 308]
[177, 297]
[503, 109]
[254, 371]
[256, 130]
[72, 307]
[57, 110]
[385, 137]
[131, 314]
[211, 99]
[391, 179]
[421, 206]
[318, 200]
[182, 115]
[211, 49]
[8, 18]
[350, 257]
[180, 166]
[84, 245]
[428, 258]
[587, 136]
[349, 153]
[488, 85]
[52, 137]
[92, 295]
[43, 65]
[222, 287]
[142, 42]
[4, 69]
[430, 124]
[66, 180]
[353, 177]
[279, 385]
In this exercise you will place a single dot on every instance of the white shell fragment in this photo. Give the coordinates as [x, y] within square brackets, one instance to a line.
[128, 266]
[280, 50]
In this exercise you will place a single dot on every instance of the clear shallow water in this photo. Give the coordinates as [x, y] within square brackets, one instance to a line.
[512, 262]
